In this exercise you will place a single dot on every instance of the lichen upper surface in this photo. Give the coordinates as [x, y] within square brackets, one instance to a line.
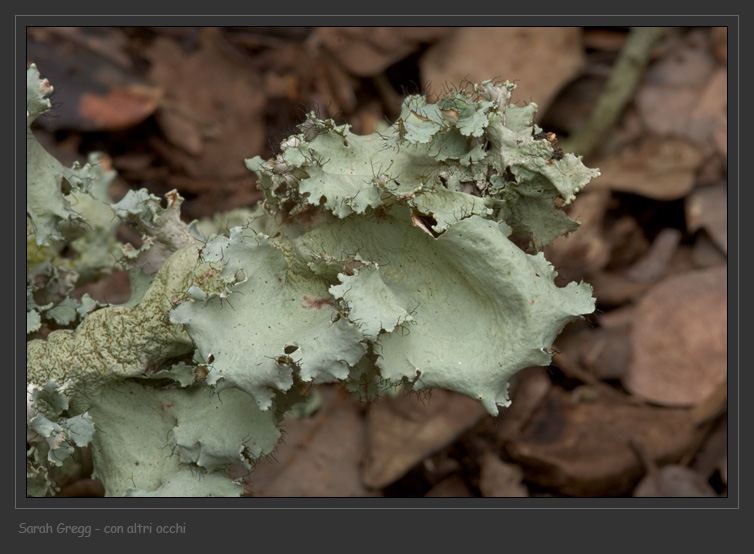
[410, 256]
[402, 239]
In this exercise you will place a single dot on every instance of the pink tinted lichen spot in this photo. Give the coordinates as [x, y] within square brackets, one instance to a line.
[315, 302]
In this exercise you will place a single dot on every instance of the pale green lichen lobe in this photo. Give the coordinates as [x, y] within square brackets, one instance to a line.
[374, 261]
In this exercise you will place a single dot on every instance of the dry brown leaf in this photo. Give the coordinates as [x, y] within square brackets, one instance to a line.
[528, 388]
[181, 131]
[627, 239]
[586, 251]
[367, 51]
[213, 93]
[539, 59]
[713, 171]
[705, 253]
[673, 481]
[720, 136]
[707, 207]
[570, 109]
[583, 449]
[617, 318]
[334, 87]
[679, 338]
[712, 104]
[452, 487]
[713, 453]
[659, 168]
[83, 488]
[114, 288]
[602, 351]
[685, 61]
[655, 263]
[723, 469]
[318, 456]
[664, 109]
[714, 405]
[95, 92]
[614, 289]
[213, 196]
[403, 431]
[605, 351]
[108, 42]
[682, 261]
[501, 480]
[685, 93]
[118, 108]
[720, 43]
[607, 40]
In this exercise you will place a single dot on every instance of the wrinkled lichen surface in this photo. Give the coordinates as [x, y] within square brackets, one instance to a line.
[410, 257]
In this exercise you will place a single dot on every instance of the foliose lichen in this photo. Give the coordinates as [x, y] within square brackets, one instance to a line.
[409, 257]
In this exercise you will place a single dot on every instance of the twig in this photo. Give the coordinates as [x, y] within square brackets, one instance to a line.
[621, 85]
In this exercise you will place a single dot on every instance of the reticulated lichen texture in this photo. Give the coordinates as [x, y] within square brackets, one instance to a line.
[410, 257]
[410, 232]
[121, 379]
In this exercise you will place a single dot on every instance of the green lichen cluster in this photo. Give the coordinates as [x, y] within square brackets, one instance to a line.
[407, 257]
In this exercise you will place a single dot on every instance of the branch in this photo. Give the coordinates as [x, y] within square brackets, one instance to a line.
[623, 81]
